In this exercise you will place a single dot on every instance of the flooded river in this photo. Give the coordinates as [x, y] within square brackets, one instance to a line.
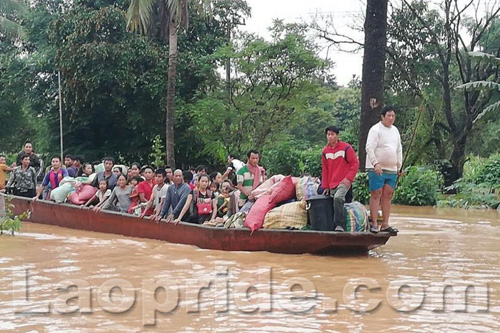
[55, 279]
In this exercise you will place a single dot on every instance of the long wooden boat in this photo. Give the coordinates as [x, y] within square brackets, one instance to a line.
[277, 241]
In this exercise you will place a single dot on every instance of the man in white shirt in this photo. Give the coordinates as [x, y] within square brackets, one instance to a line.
[232, 168]
[384, 157]
[158, 195]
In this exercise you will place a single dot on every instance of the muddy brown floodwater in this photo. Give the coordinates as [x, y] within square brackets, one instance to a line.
[441, 273]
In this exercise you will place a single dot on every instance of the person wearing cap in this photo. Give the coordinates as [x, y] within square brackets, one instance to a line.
[339, 165]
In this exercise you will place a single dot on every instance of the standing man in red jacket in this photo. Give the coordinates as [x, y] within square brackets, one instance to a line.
[339, 167]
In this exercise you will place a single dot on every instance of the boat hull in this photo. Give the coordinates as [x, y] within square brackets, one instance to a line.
[277, 241]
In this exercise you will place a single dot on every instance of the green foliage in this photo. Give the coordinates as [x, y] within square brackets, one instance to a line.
[478, 188]
[283, 159]
[489, 174]
[10, 223]
[418, 187]
[158, 152]
[361, 188]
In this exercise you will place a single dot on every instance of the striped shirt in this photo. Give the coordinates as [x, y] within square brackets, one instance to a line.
[245, 177]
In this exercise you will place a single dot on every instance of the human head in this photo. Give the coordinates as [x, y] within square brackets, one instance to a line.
[216, 176]
[122, 180]
[68, 160]
[332, 134]
[388, 115]
[135, 169]
[28, 147]
[135, 180]
[226, 186]
[170, 173]
[160, 176]
[214, 186]
[117, 171]
[3, 159]
[187, 176]
[56, 162]
[179, 176]
[88, 168]
[25, 160]
[230, 157]
[201, 169]
[77, 161]
[203, 181]
[108, 164]
[253, 157]
[148, 172]
[103, 185]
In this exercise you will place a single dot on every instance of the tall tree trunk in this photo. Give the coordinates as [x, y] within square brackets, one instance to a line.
[170, 107]
[372, 81]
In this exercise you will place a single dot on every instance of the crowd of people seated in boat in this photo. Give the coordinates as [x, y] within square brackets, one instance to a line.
[190, 195]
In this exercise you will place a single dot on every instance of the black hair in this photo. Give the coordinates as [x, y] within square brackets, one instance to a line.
[2, 155]
[121, 175]
[56, 156]
[138, 178]
[231, 155]
[386, 109]
[85, 164]
[69, 156]
[227, 181]
[78, 158]
[334, 129]
[161, 172]
[23, 156]
[144, 167]
[188, 176]
[168, 167]
[104, 180]
[203, 175]
[216, 184]
[104, 160]
[201, 168]
[136, 164]
[252, 151]
[28, 141]
[212, 176]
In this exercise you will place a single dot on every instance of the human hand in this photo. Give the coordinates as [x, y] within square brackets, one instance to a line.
[326, 191]
[176, 221]
[170, 217]
[34, 199]
[378, 169]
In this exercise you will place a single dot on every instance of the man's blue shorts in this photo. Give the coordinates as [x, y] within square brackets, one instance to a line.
[377, 182]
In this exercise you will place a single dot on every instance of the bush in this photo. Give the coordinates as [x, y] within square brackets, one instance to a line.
[311, 160]
[361, 189]
[283, 159]
[419, 187]
[489, 173]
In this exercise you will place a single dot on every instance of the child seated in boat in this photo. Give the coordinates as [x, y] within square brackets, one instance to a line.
[223, 199]
[135, 204]
[100, 197]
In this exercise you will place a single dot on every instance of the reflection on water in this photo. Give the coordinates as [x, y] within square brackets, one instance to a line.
[209, 290]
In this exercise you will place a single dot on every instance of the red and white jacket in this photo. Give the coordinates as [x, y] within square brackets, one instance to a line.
[337, 163]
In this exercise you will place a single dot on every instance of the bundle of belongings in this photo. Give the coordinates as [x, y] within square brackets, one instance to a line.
[281, 204]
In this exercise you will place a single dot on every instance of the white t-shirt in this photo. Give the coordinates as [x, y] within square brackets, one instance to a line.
[159, 194]
[101, 195]
[237, 164]
[383, 146]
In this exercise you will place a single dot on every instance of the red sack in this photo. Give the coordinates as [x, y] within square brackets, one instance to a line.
[80, 197]
[285, 190]
[255, 217]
